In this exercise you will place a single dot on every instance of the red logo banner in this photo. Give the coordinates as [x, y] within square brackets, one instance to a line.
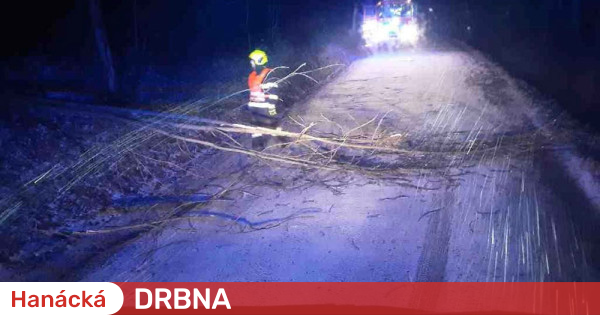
[360, 298]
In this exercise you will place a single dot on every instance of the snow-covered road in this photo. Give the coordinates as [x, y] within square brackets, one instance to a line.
[498, 215]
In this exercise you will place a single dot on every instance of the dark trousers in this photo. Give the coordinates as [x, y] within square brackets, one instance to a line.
[260, 117]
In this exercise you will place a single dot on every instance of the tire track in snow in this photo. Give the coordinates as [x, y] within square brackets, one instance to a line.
[434, 255]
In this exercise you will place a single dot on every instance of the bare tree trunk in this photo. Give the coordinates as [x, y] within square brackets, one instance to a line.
[102, 46]
[135, 26]
[248, 24]
[274, 18]
[355, 17]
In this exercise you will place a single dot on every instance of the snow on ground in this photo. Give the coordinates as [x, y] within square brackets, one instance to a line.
[501, 212]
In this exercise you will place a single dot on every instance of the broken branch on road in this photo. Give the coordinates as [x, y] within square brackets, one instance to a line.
[428, 213]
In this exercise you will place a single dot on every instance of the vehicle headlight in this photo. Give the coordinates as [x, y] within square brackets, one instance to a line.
[374, 32]
[369, 26]
[409, 33]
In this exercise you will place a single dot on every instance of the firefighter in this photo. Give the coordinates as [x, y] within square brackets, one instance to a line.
[262, 104]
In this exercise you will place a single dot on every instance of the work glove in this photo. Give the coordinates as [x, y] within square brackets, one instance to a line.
[269, 85]
[273, 97]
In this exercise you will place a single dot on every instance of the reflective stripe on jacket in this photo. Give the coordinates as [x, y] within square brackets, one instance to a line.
[261, 105]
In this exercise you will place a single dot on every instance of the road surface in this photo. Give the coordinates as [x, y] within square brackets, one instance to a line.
[500, 215]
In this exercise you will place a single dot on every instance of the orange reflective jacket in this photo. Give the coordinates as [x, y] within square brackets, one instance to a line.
[255, 80]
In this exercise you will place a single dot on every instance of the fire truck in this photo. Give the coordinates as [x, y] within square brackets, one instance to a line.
[390, 23]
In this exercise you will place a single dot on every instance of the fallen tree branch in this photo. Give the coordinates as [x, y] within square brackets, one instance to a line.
[253, 153]
[427, 213]
[238, 128]
[255, 225]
